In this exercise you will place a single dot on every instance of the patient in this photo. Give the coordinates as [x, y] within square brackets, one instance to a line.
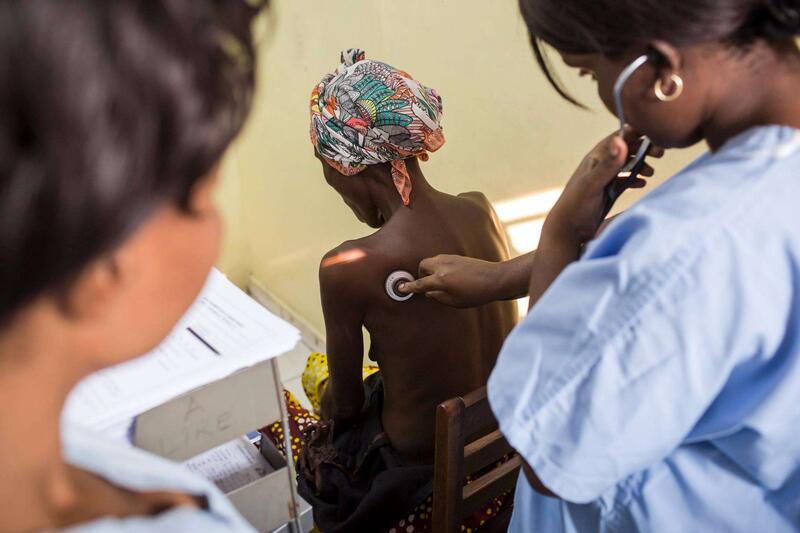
[371, 125]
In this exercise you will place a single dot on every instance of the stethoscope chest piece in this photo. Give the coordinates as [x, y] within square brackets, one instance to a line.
[393, 280]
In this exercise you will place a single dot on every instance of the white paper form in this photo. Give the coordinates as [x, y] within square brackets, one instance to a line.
[224, 331]
[231, 465]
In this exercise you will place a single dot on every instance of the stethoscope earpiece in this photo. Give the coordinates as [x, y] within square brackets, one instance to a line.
[630, 171]
[619, 85]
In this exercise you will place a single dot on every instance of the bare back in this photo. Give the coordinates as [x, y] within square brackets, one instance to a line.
[428, 352]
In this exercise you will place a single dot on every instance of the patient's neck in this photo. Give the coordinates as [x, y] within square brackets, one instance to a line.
[37, 371]
[389, 202]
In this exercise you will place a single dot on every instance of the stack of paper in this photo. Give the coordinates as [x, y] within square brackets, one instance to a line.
[224, 331]
[231, 465]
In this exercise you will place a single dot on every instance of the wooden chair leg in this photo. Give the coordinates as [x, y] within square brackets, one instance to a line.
[449, 459]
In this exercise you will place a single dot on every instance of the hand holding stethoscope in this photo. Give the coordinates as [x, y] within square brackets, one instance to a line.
[617, 163]
[629, 173]
[584, 202]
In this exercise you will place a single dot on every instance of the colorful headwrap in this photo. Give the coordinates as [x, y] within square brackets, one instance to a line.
[368, 112]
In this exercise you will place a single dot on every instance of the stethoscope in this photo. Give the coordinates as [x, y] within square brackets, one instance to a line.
[625, 177]
[393, 281]
[628, 173]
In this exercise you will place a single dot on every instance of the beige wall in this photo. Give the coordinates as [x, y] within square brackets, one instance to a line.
[508, 133]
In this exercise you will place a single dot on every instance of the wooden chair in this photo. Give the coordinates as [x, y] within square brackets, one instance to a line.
[467, 439]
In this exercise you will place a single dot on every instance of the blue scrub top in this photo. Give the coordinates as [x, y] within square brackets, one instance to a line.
[656, 384]
[137, 470]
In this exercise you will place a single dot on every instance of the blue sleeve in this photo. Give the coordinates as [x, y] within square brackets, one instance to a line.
[619, 359]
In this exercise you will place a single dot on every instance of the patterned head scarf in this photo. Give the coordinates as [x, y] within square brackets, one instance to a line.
[368, 112]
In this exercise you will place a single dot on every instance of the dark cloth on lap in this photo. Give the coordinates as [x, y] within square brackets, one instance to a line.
[353, 478]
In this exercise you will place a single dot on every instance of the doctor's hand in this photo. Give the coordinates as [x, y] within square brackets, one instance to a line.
[457, 281]
[578, 212]
[465, 282]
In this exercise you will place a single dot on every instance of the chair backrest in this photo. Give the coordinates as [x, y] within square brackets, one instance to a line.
[467, 440]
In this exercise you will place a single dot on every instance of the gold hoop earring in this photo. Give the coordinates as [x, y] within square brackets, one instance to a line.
[677, 80]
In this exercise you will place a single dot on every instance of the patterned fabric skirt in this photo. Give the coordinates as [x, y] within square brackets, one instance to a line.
[303, 423]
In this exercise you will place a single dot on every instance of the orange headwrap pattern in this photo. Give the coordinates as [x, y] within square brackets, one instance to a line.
[368, 112]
